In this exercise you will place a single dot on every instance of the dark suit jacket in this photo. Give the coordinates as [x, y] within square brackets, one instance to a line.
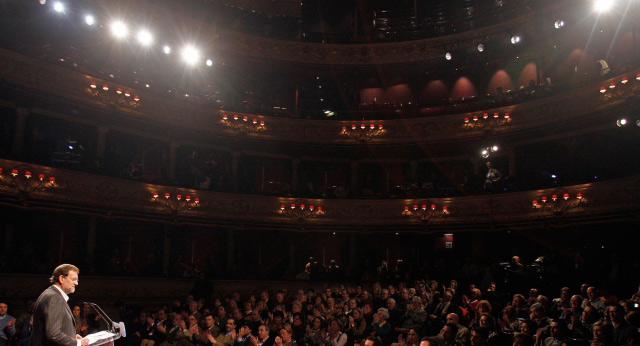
[53, 322]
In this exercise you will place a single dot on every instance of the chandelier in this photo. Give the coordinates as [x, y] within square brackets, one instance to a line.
[301, 212]
[243, 125]
[486, 122]
[425, 211]
[363, 132]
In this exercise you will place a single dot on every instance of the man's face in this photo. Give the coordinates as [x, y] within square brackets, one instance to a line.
[244, 330]
[193, 306]
[384, 294]
[369, 343]
[177, 319]
[3, 309]
[591, 293]
[616, 314]
[412, 337]
[447, 333]
[192, 320]
[69, 282]
[405, 294]
[554, 329]
[575, 302]
[262, 332]
[208, 321]
[451, 318]
[391, 304]
[231, 325]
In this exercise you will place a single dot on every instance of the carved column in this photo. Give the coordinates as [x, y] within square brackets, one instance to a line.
[18, 131]
[294, 174]
[292, 254]
[414, 170]
[102, 142]
[235, 156]
[354, 177]
[91, 242]
[173, 149]
[8, 240]
[512, 161]
[166, 250]
[230, 249]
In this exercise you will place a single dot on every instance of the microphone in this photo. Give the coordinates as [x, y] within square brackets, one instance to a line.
[116, 328]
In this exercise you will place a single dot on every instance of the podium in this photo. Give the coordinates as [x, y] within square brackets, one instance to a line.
[115, 331]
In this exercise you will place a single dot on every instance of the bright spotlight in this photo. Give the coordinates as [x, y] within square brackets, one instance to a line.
[558, 24]
[190, 55]
[480, 48]
[119, 29]
[209, 62]
[144, 37]
[89, 19]
[601, 6]
[447, 56]
[58, 7]
[494, 148]
[42, 2]
[515, 39]
[485, 153]
[621, 122]
[166, 50]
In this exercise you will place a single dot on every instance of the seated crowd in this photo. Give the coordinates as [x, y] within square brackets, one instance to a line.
[423, 313]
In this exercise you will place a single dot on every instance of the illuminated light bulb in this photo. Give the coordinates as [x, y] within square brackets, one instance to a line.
[166, 50]
[89, 19]
[144, 37]
[119, 29]
[58, 7]
[190, 55]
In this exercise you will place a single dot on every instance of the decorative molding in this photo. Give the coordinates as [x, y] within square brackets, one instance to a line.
[49, 86]
[111, 197]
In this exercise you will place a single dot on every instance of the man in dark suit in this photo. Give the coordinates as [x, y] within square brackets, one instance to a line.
[53, 322]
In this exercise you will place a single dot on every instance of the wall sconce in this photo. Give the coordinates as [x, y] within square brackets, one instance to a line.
[558, 203]
[363, 132]
[120, 98]
[300, 211]
[175, 203]
[626, 88]
[487, 122]
[425, 210]
[26, 182]
[243, 125]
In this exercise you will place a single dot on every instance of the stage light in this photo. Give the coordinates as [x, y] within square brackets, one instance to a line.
[144, 37]
[209, 62]
[515, 39]
[119, 29]
[42, 2]
[166, 50]
[58, 7]
[484, 153]
[602, 6]
[447, 56]
[480, 48]
[558, 24]
[621, 122]
[190, 55]
[494, 148]
[89, 19]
